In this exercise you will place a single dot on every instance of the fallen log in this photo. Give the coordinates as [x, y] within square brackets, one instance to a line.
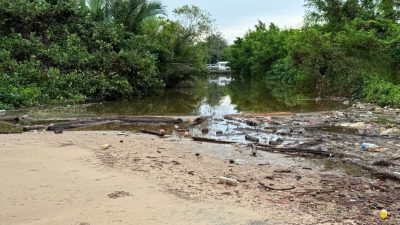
[201, 139]
[160, 133]
[73, 124]
[276, 189]
[269, 148]
[12, 119]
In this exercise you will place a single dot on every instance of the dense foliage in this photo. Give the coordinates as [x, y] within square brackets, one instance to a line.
[346, 47]
[61, 51]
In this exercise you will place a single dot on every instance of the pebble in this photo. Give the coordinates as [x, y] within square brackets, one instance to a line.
[105, 147]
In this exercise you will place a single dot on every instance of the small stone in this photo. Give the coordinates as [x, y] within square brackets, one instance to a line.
[376, 205]
[346, 103]
[219, 132]
[205, 130]
[191, 173]
[58, 131]
[197, 154]
[105, 147]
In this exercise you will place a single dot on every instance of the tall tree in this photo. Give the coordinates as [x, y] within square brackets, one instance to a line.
[197, 23]
[131, 13]
[389, 9]
[215, 46]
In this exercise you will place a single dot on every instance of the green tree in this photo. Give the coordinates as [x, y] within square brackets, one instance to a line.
[198, 23]
[215, 46]
[131, 13]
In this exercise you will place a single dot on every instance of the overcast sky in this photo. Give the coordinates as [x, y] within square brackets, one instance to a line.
[235, 17]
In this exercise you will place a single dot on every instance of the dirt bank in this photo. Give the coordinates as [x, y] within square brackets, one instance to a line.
[141, 179]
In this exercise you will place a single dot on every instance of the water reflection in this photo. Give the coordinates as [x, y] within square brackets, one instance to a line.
[220, 80]
[219, 95]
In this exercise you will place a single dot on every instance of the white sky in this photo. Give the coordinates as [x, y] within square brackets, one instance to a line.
[235, 17]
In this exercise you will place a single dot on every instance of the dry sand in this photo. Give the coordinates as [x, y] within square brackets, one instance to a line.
[68, 179]
[43, 183]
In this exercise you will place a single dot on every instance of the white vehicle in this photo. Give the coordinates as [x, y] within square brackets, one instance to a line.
[223, 66]
[212, 67]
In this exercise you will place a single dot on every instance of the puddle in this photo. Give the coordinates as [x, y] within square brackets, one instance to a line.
[326, 165]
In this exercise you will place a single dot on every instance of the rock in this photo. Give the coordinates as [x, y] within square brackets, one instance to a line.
[339, 114]
[219, 132]
[197, 154]
[123, 134]
[205, 130]
[201, 119]
[346, 103]
[191, 173]
[252, 139]
[228, 181]
[105, 147]
[58, 131]
[360, 125]
[283, 132]
[379, 110]
[253, 122]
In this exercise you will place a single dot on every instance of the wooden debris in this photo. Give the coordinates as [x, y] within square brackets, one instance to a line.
[159, 133]
[90, 122]
[276, 189]
[202, 139]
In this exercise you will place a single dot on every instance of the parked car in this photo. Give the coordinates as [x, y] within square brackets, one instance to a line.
[212, 67]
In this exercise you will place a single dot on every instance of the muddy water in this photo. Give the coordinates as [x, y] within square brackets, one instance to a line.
[218, 96]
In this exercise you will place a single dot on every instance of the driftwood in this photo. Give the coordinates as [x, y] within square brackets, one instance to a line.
[13, 119]
[112, 120]
[292, 150]
[276, 189]
[160, 133]
[201, 139]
